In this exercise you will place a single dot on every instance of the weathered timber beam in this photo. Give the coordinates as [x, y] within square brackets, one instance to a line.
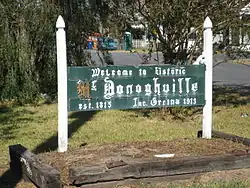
[146, 181]
[234, 138]
[158, 168]
[25, 164]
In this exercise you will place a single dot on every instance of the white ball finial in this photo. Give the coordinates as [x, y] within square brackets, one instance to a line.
[207, 23]
[60, 22]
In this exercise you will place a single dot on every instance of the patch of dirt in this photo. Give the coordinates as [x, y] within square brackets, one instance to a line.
[8, 181]
[100, 154]
[206, 178]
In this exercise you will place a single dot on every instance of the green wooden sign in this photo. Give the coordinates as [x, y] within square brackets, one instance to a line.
[133, 87]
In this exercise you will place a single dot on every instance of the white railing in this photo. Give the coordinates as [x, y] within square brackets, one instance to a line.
[138, 43]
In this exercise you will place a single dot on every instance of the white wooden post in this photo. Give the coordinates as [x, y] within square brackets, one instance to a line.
[62, 85]
[208, 54]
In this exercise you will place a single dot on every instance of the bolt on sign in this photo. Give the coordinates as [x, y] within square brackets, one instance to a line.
[133, 87]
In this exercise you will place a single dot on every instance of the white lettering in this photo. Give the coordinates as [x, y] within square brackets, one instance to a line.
[119, 89]
[156, 86]
[195, 87]
[187, 84]
[95, 72]
[125, 73]
[170, 71]
[172, 102]
[138, 88]
[183, 71]
[107, 72]
[102, 72]
[139, 103]
[156, 71]
[180, 84]
[165, 88]
[129, 89]
[109, 89]
[93, 85]
[119, 73]
[148, 89]
[177, 101]
[173, 89]
[153, 102]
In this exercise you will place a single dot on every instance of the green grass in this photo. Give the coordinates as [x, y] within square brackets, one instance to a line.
[117, 126]
[35, 127]
[29, 126]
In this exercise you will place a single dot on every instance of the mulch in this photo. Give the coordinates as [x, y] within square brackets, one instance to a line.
[89, 155]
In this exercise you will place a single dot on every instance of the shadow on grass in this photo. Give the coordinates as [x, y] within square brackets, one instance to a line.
[8, 118]
[51, 143]
[231, 95]
[8, 180]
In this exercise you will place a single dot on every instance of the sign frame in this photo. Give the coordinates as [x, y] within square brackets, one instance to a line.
[206, 58]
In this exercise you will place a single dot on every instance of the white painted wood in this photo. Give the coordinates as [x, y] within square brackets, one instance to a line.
[62, 86]
[200, 60]
[165, 155]
[208, 54]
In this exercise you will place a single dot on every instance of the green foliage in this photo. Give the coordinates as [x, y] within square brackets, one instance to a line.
[28, 45]
[80, 23]
[26, 51]
[175, 23]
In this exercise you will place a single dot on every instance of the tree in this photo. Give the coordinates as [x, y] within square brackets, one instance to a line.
[26, 53]
[175, 22]
[80, 22]
[28, 50]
